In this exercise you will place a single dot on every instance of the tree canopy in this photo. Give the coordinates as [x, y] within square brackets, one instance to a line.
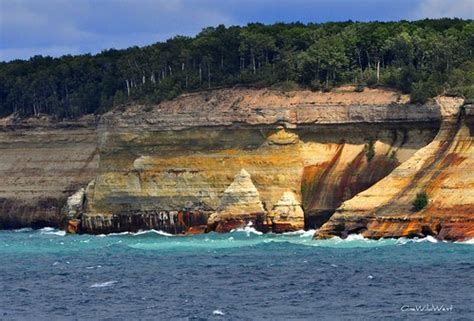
[423, 58]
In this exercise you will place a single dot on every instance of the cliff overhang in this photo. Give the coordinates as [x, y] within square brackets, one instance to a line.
[169, 166]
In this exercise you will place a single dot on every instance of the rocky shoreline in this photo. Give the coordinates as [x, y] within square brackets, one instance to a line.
[340, 162]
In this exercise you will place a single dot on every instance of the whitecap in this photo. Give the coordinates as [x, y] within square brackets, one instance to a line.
[52, 231]
[353, 240]
[103, 284]
[468, 241]
[301, 233]
[47, 229]
[402, 241]
[141, 232]
[217, 312]
[115, 234]
[308, 233]
[247, 229]
[355, 237]
[23, 230]
[152, 231]
[429, 238]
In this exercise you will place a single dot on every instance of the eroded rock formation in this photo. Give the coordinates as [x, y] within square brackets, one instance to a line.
[444, 169]
[287, 214]
[173, 165]
[182, 155]
[240, 205]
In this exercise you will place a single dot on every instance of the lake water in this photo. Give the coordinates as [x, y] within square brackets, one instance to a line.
[242, 275]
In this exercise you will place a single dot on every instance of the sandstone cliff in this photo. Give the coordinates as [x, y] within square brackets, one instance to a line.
[169, 166]
[42, 163]
[279, 160]
[444, 169]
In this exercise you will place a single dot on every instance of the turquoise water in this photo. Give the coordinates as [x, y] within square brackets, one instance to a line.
[242, 275]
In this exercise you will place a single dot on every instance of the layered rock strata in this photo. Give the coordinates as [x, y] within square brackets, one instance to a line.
[443, 169]
[42, 163]
[240, 205]
[169, 166]
[287, 214]
[173, 166]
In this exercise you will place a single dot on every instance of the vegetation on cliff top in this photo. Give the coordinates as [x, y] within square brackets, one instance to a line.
[423, 58]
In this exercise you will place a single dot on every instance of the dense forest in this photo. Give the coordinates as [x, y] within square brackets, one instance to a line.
[423, 58]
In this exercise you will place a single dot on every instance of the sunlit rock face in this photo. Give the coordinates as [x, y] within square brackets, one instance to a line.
[240, 205]
[168, 167]
[343, 162]
[287, 214]
[444, 169]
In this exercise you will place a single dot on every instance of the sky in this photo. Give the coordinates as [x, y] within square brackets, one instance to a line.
[59, 27]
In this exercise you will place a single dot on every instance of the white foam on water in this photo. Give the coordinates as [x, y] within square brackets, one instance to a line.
[355, 237]
[247, 237]
[217, 312]
[352, 240]
[468, 241]
[141, 232]
[52, 231]
[23, 230]
[429, 238]
[158, 232]
[47, 229]
[115, 234]
[404, 240]
[249, 229]
[301, 233]
[103, 284]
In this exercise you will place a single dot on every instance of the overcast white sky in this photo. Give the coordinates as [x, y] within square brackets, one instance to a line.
[57, 27]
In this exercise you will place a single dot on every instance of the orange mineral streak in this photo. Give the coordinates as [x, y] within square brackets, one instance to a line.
[318, 185]
[183, 155]
[327, 185]
[444, 169]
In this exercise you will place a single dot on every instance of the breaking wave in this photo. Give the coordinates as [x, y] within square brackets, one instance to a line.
[247, 229]
[52, 231]
[103, 284]
[139, 233]
[468, 241]
[243, 237]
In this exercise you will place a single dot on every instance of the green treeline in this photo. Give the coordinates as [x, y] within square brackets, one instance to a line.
[423, 58]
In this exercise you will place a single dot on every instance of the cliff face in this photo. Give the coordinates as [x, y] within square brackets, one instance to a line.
[41, 164]
[222, 159]
[444, 169]
[169, 166]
